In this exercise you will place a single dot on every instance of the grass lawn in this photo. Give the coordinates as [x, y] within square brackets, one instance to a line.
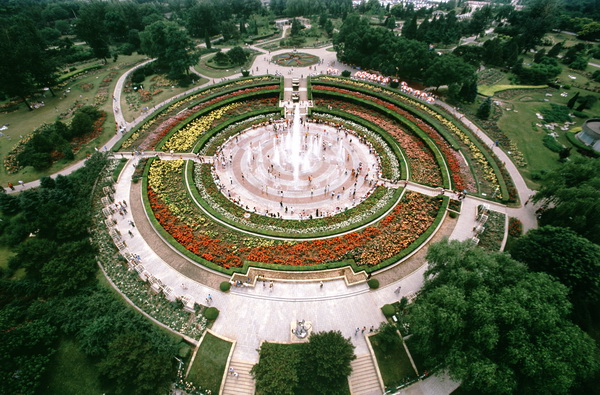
[208, 367]
[84, 90]
[394, 365]
[492, 89]
[71, 372]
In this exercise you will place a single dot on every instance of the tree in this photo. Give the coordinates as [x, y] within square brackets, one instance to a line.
[91, 28]
[296, 28]
[589, 31]
[573, 100]
[25, 63]
[237, 56]
[277, 369]
[409, 30]
[388, 337]
[555, 50]
[484, 110]
[539, 55]
[496, 327]
[135, 366]
[468, 91]
[172, 47]
[562, 253]
[328, 356]
[447, 69]
[571, 196]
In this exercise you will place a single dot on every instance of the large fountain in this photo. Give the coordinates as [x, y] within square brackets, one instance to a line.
[296, 170]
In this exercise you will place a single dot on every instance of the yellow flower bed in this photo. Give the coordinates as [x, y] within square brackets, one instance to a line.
[185, 138]
[161, 179]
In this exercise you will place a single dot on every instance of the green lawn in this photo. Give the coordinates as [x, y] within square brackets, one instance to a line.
[82, 90]
[208, 367]
[394, 365]
[491, 90]
[71, 372]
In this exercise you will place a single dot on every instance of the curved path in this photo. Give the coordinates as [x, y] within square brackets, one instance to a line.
[251, 315]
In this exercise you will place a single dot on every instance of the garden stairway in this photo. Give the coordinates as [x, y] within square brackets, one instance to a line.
[364, 379]
[243, 384]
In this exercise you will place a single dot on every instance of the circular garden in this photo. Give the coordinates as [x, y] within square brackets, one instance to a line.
[295, 59]
[234, 128]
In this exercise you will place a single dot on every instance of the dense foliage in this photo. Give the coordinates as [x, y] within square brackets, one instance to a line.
[56, 295]
[322, 366]
[496, 327]
[572, 259]
[571, 197]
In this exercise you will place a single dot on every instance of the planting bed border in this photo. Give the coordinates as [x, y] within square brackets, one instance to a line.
[346, 83]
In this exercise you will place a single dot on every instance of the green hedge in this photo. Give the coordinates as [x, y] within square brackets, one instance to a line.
[581, 146]
[71, 74]
[211, 313]
[551, 143]
[373, 283]
[388, 310]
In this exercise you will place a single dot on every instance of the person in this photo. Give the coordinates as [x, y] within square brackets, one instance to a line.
[321, 284]
[11, 186]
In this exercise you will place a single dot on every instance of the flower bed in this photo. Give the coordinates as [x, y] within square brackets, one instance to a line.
[492, 236]
[227, 248]
[171, 115]
[421, 161]
[480, 159]
[156, 305]
[219, 206]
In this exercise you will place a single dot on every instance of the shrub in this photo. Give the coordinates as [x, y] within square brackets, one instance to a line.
[346, 73]
[225, 286]
[515, 227]
[211, 313]
[452, 214]
[388, 310]
[373, 283]
[551, 143]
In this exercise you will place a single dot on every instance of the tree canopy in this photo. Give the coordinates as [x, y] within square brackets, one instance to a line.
[571, 194]
[562, 253]
[171, 46]
[496, 327]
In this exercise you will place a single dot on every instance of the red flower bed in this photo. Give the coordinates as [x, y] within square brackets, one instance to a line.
[370, 246]
[421, 161]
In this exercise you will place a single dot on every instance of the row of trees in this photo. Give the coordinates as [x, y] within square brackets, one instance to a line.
[57, 296]
[377, 48]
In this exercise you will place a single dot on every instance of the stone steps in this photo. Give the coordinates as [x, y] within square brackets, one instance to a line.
[364, 379]
[243, 384]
